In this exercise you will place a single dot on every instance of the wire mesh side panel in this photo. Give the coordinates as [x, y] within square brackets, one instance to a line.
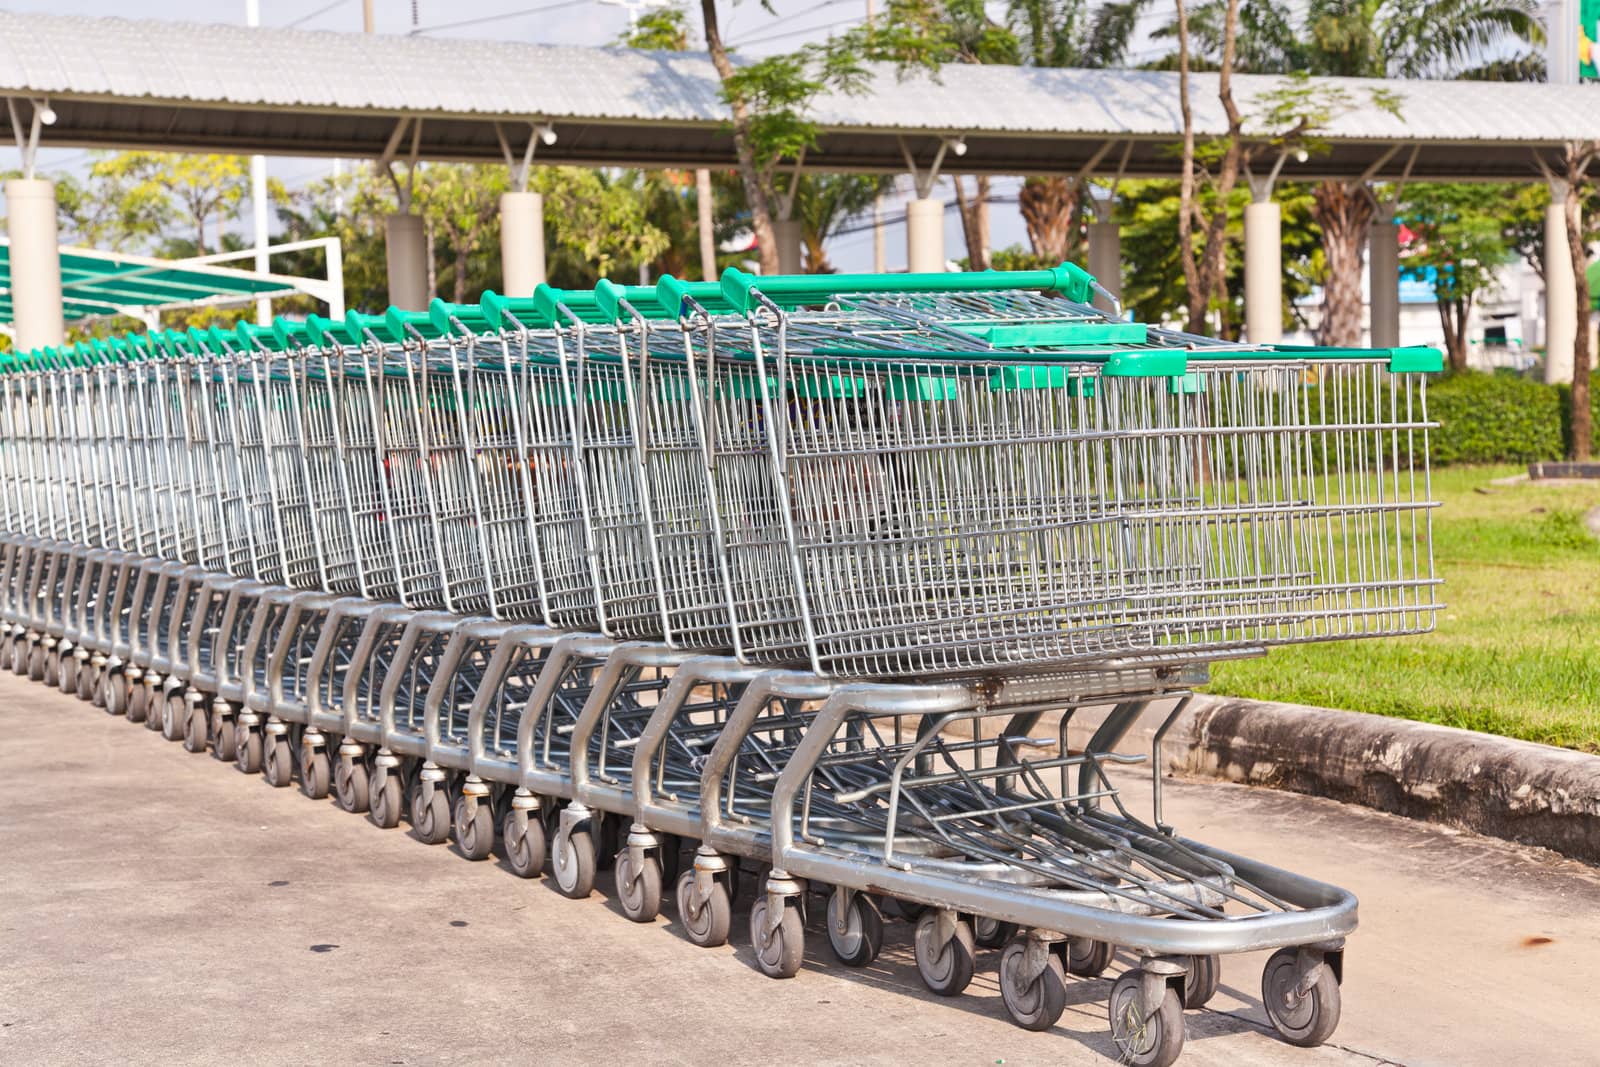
[419, 573]
[619, 510]
[754, 554]
[498, 454]
[214, 408]
[281, 408]
[669, 422]
[948, 517]
[325, 466]
[79, 488]
[142, 406]
[242, 407]
[545, 399]
[205, 486]
[355, 380]
[176, 475]
[452, 482]
[42, 476]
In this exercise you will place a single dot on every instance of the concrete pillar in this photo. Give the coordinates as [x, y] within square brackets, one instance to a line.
[1383, 280]
[406, 252]
[925, 236]
[521, 243]
[1263, 273]
[1105, 260]
[1560, 293]
[35, 263]
[791, 249]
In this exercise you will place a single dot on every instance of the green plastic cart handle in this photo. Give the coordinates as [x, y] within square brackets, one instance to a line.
[548, 302]
[398, 320]
[1408, 359]
[250, 336]
[444, 317]
[671, 293]
[1069, 279]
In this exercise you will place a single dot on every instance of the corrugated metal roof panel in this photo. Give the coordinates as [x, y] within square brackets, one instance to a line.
[231, 65]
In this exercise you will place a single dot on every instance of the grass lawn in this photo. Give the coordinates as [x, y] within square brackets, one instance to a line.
[1517, 651]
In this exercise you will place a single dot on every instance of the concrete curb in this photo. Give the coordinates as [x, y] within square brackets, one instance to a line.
[1534, 794]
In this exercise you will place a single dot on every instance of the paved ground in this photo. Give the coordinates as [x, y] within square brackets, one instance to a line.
[157, 906]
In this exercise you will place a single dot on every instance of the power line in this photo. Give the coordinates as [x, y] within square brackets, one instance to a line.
[323, 10]
[796, 33]
[498, 18]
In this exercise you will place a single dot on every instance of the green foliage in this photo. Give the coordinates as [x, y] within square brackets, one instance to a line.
[659, 29]
[1154, 287]
[1499, 418]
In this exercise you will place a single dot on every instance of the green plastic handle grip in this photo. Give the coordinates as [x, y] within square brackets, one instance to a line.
[444, 316]
[672, 292]
[402, 322]
[1069, 279]
[548, 302]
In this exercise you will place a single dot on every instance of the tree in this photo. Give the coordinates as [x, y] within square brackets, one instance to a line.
[1368, 39]
[1578, 157]
[769, 100]
[1460, 241]
[462, 204]
[823, 202]
[926, 34]
[181, 188]
[1154, 286]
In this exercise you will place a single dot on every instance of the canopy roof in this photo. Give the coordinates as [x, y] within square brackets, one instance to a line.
[97, 283]
[223, 88]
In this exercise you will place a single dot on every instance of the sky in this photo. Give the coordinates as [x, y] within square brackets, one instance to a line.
[747, 26]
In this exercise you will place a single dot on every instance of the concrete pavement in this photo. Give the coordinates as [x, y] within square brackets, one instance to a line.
[157, 906]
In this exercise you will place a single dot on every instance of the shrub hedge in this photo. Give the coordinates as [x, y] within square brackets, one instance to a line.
[1501, 418]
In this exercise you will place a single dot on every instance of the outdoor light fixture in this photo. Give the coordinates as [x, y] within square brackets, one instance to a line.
[959, 146]
[46, 113]
[1301, 155]
[547, 133]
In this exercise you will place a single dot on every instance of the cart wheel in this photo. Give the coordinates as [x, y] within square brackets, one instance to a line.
[671, 858]
[153, 703]
[247, 748]
[1084, 958]
[67, 674]
[945, 969]
[224, 738]
[48, 667]
[1034, 1005]
[138, 700]
[709, 926]
[350, 787]
[475, 832]
[639, 891]
[316, 777]
[88, 683]
[991, 933]
[97, 686]
[779, 954]
[278, 765]
[196, 729]
[113, 695]
[386, 799]
[431, 817]
[574, 864]
[173, 714]
[525, 843]
[1153, 1040]
[19, 656]
[856, 936]
[1204, 974]
[1305, 1019]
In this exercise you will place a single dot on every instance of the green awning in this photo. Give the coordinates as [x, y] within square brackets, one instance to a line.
[104, 283]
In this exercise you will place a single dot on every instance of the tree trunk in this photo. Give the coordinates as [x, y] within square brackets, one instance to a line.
[975, 221]
[1452, 320]
[1344, 212]
[1050, 208]
[1582, 430]
[1199, 295]
[754, 192]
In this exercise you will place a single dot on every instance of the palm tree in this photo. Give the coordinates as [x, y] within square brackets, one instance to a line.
[1484, 39]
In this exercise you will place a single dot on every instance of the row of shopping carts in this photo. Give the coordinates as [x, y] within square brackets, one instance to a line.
[639, 574]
